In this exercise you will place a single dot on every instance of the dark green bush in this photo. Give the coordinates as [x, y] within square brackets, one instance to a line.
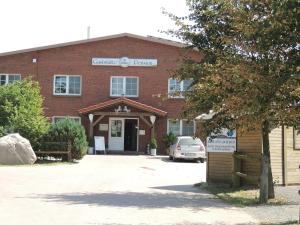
[2, 131]
[169, 139]
[54, 146]
[64, 131]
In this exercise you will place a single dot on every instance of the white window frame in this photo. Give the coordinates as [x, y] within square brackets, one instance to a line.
[9, 74]
[65, 117]
[124, 86]
[180, 125]
[181, 95]
[67, 86]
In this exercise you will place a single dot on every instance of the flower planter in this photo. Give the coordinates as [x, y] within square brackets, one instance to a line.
[153, 151]
[91, 151]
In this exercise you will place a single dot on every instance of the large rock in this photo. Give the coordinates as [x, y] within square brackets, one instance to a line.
[16, 150]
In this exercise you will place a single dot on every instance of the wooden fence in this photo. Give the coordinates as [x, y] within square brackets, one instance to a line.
[237, 175]
[50, 151]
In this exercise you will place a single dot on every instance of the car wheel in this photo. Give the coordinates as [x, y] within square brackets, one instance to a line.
[201, 160]
[170, 157]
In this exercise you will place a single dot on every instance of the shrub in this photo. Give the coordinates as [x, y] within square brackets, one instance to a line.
[2, 131]
[21, 110]
[68, 130]
[153, 143]
[169, 139]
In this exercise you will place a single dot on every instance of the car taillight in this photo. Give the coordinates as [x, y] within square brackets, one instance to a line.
[178, 148]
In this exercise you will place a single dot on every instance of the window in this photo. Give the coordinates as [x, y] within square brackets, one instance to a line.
[67, 85]
[124, 86]
[181, 127]
[174, 127]
[55, 119]
[188, 128]
[296, 140]
[9, 78]
[177, 88]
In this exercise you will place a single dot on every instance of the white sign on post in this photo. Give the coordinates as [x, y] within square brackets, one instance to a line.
[124, 62]
[223, 142]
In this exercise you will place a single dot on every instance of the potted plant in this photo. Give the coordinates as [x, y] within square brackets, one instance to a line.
[91, 146]
[168, 140]
[153, 146]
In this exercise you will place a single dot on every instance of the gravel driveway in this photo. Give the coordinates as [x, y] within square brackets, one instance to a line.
[112, 190]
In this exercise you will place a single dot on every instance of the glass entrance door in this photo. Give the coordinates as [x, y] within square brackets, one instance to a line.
[116, 134]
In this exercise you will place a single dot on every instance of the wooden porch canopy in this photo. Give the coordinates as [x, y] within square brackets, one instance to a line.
[147, 111]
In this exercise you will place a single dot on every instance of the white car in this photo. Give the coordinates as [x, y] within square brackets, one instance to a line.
[186, 147]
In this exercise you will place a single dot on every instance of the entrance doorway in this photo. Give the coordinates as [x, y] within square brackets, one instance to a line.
[130, 137]
[123, 134]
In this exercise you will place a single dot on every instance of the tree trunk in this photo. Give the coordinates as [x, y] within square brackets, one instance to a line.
[263, 191]
[266, 171]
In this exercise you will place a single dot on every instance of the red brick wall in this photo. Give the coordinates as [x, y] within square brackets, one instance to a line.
[76, 60]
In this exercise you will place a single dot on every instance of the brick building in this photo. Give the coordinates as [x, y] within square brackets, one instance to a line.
[118, 81]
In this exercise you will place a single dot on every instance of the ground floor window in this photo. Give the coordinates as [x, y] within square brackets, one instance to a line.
[55, 119]
[181, 127]
[9, 78]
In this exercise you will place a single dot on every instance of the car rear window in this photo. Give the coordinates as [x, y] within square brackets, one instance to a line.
[190, 141]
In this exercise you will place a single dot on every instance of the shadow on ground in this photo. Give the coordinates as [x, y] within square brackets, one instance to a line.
[185, 196]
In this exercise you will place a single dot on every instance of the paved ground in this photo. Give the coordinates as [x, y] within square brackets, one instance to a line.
[112, 190]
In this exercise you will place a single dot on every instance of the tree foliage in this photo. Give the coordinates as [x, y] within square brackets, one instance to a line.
[249, 70]
[21, 110]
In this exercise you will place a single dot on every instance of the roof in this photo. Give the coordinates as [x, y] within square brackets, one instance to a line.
[123, 100]
[148, 38]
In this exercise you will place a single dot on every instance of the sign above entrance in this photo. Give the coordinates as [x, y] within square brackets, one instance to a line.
[124, 62]
[223, 142]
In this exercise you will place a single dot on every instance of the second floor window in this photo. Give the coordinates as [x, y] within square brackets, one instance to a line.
[124, 86]
[177, 88]
[67, 85]
[9, 78]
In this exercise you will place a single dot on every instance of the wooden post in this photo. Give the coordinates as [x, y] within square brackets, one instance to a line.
[284, 158]
[69, 151]
[236, 180]
[91, 131]
[153, 131]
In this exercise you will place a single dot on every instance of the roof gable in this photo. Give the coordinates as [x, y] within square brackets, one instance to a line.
[148, 38]
[123, 100]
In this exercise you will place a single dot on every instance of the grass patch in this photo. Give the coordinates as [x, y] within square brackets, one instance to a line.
[240, 197]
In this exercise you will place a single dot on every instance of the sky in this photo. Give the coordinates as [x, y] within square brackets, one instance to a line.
[34, 23]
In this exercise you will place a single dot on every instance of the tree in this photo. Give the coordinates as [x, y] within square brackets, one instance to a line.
[249, 72]
[21, 110]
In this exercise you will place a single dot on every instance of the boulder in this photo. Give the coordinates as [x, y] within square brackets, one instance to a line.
[16, 150]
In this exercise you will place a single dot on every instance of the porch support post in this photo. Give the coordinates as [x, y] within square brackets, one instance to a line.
[91, 126]
[153, 131]
[152, 119]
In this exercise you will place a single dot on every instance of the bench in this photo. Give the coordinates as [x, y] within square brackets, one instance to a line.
[53, 152]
